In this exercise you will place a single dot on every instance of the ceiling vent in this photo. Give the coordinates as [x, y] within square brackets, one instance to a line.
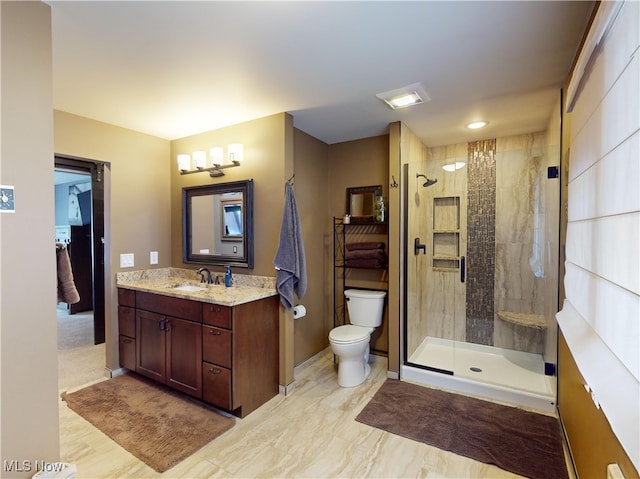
[413, 94]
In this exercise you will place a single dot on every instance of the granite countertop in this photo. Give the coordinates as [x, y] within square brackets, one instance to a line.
[182, 283]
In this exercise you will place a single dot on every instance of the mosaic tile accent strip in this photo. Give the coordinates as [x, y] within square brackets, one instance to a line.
[481, 251]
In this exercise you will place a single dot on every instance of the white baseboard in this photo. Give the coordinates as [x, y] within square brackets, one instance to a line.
[112, 373]
[288, 389]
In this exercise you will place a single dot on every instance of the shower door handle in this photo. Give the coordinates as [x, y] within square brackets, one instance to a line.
[417, 246]
[463, 267]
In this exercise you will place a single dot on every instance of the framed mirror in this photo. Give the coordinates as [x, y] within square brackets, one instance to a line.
[217, 224]
[361, 203]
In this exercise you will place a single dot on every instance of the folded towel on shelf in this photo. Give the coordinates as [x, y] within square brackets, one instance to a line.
[370, 263]
[366, 254]
[67, 292]
[365, 245]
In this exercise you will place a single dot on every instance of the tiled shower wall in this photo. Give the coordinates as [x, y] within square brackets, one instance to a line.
[481, 226]
[508, 228]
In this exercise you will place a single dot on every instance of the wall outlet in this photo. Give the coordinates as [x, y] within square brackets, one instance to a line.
[153, 257]
[127, 260]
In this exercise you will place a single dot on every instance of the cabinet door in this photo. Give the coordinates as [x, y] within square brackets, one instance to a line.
[216, 315]
[127, 321]
[217, 386]
[184, 356]
[151, 351]
[127, 349]
[216, 346]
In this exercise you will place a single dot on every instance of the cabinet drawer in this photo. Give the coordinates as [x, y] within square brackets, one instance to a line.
[126, 297]
[216, 315]
[127, 321]
[169, 305]
[216, 346]
[216, 385]
[127, 350]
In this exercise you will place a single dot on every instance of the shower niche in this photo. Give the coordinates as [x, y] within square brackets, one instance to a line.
[445, 254]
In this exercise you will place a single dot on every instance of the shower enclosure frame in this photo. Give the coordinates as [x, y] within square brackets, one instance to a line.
[444, 377]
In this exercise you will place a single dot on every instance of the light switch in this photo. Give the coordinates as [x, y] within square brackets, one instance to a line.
[153, 257]
[126, 260]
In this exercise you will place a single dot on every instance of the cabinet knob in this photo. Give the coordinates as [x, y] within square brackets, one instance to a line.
[214, 371]
[215, 309]
[214, 332]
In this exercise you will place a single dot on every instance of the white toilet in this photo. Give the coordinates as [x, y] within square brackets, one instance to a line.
[351, 342]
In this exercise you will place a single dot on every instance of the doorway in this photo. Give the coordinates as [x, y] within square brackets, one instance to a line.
[80, 225]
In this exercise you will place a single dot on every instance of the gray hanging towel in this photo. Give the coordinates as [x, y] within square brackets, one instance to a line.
[290, 262]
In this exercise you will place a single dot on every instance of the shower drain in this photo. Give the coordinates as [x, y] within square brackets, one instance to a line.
[476, 370]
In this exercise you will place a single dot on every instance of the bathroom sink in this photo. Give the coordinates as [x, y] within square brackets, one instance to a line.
[187, 287]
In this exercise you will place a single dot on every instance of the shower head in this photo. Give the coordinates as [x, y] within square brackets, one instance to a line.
[429, 182]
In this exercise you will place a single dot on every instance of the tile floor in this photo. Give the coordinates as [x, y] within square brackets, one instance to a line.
[311, 433]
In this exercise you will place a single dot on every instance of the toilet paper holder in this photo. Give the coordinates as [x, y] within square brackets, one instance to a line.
[299, 311]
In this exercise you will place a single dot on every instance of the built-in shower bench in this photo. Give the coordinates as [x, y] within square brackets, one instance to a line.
[536, 321]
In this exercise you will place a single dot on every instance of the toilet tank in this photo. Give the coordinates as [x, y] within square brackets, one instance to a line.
[365, 307]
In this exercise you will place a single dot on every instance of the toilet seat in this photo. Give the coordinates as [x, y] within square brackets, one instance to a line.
[349, 333]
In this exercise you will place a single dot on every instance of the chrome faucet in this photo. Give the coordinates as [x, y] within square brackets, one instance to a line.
[201, 272]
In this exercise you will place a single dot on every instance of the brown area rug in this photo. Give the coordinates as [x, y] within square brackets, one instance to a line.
[513, 439]
[157, 425]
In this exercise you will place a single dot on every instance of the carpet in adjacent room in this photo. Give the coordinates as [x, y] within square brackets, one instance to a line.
[518, 441]
[159, 426]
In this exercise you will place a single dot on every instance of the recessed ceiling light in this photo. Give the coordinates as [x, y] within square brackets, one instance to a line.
[477, 124]
[410, 95]
[453, 166]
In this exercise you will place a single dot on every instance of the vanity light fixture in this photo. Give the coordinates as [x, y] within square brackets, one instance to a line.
[477, 124]
[200, 159]
[410, 95]
[235, 154]
[217, 155]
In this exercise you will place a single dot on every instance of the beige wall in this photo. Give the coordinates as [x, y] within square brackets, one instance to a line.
[592, 442]
[351, 164]
[264, 162]
[137, 205]
[268, 160]
[312, 197]
[28, 347]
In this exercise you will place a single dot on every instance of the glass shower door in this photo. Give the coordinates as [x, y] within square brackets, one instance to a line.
[436, 237]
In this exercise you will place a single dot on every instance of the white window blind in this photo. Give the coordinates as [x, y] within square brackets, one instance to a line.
[601, 316]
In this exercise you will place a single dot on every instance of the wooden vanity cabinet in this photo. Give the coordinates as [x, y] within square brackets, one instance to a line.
[169, 341]
[240, 355]
[226, 356]
[127, 328]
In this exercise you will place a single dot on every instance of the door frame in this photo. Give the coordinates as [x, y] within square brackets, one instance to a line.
[96, 170]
